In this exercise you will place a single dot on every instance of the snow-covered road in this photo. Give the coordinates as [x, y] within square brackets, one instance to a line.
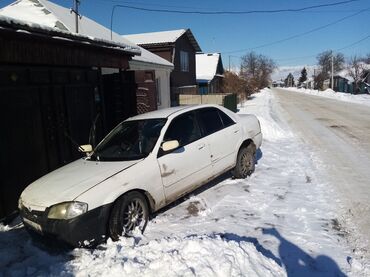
[339, 132]
[282, 221]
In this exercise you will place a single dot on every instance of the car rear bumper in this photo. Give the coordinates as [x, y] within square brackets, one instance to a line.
[86, 230]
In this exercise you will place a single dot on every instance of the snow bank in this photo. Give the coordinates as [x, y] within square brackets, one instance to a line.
[189, 256]
[138, 256]
[362, 99]
[283, 220]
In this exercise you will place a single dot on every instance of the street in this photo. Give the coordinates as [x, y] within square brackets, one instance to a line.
[340, 133]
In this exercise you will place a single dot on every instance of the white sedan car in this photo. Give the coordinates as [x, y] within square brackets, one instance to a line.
[143, 164]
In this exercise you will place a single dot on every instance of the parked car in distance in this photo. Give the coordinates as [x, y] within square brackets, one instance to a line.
[143, 164]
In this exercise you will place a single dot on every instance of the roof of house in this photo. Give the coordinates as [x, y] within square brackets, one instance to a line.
[206, 66]
[41, 14]
[163, 38]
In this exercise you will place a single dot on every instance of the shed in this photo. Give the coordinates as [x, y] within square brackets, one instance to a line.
[209, 72]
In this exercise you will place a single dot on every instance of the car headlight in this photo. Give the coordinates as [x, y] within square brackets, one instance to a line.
[67, 210]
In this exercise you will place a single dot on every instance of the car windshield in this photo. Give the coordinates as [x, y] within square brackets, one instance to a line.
[130, 140]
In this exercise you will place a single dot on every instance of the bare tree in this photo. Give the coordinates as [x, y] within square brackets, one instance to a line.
[355, 68]
[367, 59]
[232, 83]
[256, 70]
[324, 61]
[289, 80]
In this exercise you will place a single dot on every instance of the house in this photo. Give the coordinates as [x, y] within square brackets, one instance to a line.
[365, 82]
[209, 73]
[178, 47]
[342, 84]
[278, 84]
[57, 84]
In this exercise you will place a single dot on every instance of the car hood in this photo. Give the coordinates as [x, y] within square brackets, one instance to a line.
[70, 181]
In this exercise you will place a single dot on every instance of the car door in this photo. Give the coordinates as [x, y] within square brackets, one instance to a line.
[223, 135]
[189, 165]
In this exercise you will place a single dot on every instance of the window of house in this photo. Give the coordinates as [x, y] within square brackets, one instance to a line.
[184, 61]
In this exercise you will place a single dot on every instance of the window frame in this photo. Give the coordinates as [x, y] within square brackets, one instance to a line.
[184, 61]
[197, 125]
[201, 123]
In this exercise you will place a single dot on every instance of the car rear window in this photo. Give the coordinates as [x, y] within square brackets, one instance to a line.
[226, 120]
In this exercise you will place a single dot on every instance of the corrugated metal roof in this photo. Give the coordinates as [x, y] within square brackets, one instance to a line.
[45, 14]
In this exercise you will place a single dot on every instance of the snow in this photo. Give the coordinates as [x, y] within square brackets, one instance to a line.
[282, 72]
[206, 66]
[48, 16]
[156, 37]
[362, 99]
[285, 220]
[52, 16]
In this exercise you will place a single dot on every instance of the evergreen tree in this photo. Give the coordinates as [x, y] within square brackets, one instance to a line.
[303, 77]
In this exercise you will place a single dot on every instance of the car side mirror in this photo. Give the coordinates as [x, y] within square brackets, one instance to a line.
[87, 148]
[170, 145]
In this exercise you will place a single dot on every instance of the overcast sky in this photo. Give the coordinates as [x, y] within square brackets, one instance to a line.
[246, 32]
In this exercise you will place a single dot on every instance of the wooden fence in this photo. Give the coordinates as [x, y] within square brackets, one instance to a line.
[227, 100]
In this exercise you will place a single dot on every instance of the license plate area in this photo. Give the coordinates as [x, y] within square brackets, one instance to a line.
[33, 225]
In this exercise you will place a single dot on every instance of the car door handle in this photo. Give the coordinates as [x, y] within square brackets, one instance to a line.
[201, 146]
[236, 131]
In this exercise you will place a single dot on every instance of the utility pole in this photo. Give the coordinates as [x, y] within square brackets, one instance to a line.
[229, 62]
[75, 11]
[332, 71]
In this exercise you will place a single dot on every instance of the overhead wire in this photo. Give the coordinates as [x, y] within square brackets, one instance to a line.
[235, 12]
[335, 50]
[297, 35]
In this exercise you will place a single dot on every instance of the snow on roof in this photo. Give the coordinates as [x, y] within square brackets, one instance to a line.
[164, 37]
[41, 14]
[156, 37]
[149, 57]
[206, 66]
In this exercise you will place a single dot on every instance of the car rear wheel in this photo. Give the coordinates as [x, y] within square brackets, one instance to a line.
[245, 163]
[130, 211]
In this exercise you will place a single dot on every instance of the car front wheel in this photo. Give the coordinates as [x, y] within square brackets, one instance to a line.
[245, 163]
[129, 212]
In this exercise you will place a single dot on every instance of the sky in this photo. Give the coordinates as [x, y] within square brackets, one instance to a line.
[236, 34]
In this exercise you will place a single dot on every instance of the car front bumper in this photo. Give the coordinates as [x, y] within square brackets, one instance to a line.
[86, 230]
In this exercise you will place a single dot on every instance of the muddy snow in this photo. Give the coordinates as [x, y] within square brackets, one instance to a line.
[285, 220]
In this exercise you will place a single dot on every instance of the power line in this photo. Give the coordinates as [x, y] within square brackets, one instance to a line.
[335, 50]
[235, 12]
[297, 35]
[154, 4]
[353, 44]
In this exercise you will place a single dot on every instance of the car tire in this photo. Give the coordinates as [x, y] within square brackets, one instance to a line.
[245, 162]
[128, 212]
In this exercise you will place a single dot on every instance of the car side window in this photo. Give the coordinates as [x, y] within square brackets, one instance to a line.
[226, 120]
[211, 120]
[184, 129]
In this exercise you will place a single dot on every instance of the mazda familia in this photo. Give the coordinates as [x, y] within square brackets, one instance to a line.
[143, 164]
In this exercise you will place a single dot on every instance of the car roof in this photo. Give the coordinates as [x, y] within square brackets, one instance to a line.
[165, 113]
